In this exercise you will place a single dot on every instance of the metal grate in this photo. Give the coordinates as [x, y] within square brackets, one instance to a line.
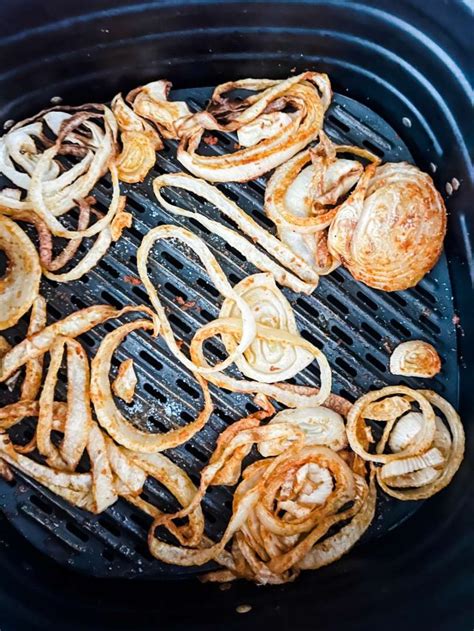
[355, 326]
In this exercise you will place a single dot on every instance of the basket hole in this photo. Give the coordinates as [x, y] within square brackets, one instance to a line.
[175, 319]
[198, 225]
[154, 392]
[375, 362]
[344, 393]
[425, 294]
[135, 232]
[111, 299]
[337, 304]
[153, 361]
[339, 124]
[251, 408]
[401, 301]
[186, 416]
[41, 504]
[108, 268]
[308, 308]
[57, 315]
[109, 525]
[368, 301]
[350, 370]
[157, 424]
[208, 287]
[234, 278]
[141, 519]
[108, 554]
[311, 338]
[140, 293]
[337, 276]
[235, 252]
[77, 302]
[431, 325]
[399, 327]
[88, 339]
[206, 315]
[77, 532]
[343, 336]
[187, 388]
[371, 147]
[172, 260]
[195, 452]
[176, 293]
[263, 218]
[372, 332]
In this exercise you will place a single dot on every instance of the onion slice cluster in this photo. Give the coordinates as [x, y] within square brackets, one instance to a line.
[282, 509]
[424, 451]
[270, 135]
[390, 231]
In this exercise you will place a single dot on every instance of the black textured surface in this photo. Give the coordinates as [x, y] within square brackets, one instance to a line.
[355, 326]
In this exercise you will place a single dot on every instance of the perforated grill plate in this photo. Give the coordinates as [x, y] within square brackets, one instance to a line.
[357, 327]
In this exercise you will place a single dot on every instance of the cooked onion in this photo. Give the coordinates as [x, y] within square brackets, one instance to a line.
[298, 275]
[309, 95]
[390, 231]
[301, 199]
[151, 101]
[125, 382]
[415, 359]
[321, 426]
[19, 285]
[263, 361]
[137, 157]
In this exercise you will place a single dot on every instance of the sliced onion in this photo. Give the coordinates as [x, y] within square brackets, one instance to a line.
[263, 361]
[136, 158]
[321, 426]
[292, 397]
[299, 92]
[125, 382]
[34, 369]
[19, 285]
[298, 275]
[110, 417]
[220, 282]
[356, 423]
[415, 359]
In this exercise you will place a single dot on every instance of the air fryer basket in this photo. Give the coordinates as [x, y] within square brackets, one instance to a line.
[382, 55]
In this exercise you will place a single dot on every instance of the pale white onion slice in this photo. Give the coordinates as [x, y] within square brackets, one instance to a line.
[34, 368]
[321, 426]
[264, 126]
[19, 285]
[126, 381]
[265, 361]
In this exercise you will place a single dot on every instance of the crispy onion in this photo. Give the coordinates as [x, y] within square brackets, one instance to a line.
[413, 479]
[415, 359]
[321, 426]
[301, 198]
[390, 231]
[151, 102]
[265, 361]
[110, 417]
[308, 94]
[281, 509]
[298, 275]
[126, 381]
[19, 285]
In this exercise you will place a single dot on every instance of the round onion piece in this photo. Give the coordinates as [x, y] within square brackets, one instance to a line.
[415, 359]
[390, 231]
[19, 285]
[263, 361]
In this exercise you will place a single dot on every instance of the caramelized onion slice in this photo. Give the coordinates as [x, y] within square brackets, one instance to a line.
[415, 359]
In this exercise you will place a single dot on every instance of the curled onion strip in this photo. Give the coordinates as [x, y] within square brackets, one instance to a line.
[220, 281]
[299, 92]
[34, 368]
[298, 276]
[110, 417]
[19, 285]
[356, 424]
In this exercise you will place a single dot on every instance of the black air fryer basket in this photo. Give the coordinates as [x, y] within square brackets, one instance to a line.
[401, 73]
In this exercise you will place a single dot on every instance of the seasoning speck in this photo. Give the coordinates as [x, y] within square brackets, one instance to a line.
[55, 100]
[9, 123]
[243, 608]
[406, 121]
[449, 188]
[455, 183]
[433, 167]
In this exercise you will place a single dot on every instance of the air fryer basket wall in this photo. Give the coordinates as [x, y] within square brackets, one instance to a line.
[404, 59]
